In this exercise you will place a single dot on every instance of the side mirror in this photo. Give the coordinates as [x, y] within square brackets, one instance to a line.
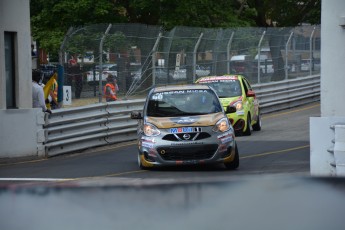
[230, 109]
[136, 115]
[250, 93]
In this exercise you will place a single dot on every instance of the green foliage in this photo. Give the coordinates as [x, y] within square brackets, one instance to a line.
[116, 42]
[286, 13]
[51, 19]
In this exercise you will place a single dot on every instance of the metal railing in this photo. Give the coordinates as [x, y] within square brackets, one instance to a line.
[74, 129]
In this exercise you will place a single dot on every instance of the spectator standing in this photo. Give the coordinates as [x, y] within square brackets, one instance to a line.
[111, 89]
[37, 92]
[74, 72]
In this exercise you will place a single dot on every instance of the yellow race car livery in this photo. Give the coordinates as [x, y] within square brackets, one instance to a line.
[235, 90]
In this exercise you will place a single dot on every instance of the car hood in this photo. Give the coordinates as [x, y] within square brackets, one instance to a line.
[170, 122]
[227, 100]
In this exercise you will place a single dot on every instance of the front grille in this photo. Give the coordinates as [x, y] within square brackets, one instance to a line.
[179, 136]
[191, 152]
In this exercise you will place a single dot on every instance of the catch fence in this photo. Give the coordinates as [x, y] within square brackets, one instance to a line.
[141, 56]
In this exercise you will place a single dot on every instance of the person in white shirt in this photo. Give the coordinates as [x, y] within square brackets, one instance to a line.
[38, 100]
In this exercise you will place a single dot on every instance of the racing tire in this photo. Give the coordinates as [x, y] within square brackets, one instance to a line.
[235, 163]
[257, 125]
[248, 131]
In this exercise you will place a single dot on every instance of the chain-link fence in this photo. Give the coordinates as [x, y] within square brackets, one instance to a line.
[140, 56]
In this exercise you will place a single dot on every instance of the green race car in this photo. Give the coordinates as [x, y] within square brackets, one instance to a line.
[235, 90]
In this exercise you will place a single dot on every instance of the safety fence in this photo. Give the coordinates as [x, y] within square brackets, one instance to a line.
[74, 129]
[141, 56]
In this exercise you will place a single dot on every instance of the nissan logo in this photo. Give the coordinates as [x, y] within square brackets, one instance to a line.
[186, 136]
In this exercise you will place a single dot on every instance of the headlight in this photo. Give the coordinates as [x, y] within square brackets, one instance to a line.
[151, 130]
[238, 105]
[222, 125]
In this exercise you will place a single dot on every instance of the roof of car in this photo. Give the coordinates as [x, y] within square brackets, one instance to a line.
[217, 78]
[180, 87]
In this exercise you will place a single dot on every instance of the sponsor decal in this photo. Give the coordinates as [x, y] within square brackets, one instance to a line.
[152, 154]
[190, 162]
[159, 96]
[226, 137]
[187, 143]
[241, 112]
[183, 120]
[218, 79]
[147, 145]
[185, 130]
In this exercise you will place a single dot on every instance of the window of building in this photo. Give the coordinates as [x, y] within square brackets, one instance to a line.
[10, 69]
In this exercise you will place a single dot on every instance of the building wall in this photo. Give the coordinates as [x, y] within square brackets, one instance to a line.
[327, 139]
[333, 59]
[20, 128]
[15, 17]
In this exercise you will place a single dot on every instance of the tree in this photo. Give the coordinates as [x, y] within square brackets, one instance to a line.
[286, 13]
[50, 19]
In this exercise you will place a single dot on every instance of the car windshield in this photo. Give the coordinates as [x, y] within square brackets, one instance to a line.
[226, 88]
[183, 103]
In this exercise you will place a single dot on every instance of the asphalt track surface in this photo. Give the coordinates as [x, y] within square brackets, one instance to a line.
[103, 188]
[281, 147]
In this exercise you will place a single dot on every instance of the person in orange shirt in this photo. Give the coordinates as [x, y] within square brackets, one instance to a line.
[111, 89]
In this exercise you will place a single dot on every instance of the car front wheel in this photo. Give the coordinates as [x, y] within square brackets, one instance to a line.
[235, 163]
[248, 130]
[257, 125]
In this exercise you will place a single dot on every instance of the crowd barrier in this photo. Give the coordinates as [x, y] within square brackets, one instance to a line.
[80, 128]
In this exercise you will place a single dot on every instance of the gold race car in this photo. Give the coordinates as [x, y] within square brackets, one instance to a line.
[235, 90]
[185, 125]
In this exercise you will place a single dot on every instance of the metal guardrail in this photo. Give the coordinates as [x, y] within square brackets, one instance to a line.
[74, 129]
[286, 94]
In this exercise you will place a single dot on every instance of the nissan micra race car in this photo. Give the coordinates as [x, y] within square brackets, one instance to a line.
[235, 90]
[185, 125]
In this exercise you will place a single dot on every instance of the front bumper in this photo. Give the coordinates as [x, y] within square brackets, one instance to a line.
[163, 151]
[238, 121]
